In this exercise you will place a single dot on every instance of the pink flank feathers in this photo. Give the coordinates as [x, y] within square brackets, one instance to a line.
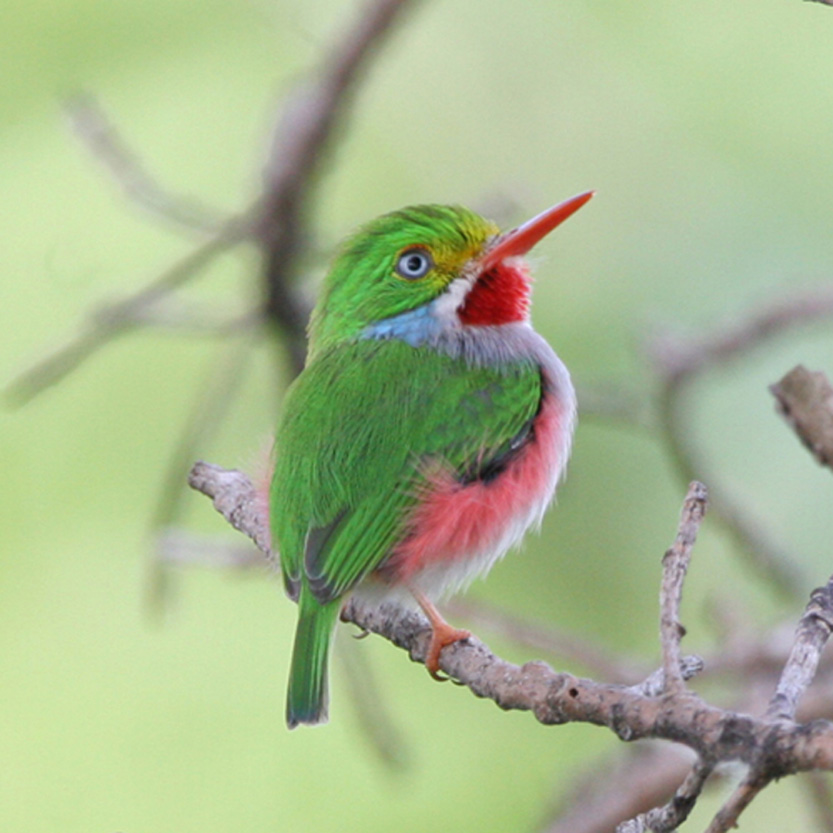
[478, 522]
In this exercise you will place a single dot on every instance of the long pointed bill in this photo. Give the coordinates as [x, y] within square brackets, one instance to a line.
[523, 238]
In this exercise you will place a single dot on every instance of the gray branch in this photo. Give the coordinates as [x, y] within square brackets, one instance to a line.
[805, 400]
[674, 569]
[771, 748]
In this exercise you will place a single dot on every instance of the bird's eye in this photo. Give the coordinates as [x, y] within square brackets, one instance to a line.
[414, 263]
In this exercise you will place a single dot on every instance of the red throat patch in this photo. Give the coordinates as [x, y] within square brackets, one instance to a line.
[500, 296]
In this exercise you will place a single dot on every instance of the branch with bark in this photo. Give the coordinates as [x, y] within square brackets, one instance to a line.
[772, 745]
[805, 400]
[277, 220]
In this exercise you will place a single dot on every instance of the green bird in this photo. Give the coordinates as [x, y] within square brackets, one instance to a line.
[426, 433]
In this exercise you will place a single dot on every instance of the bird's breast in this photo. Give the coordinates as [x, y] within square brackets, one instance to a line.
[461, 527]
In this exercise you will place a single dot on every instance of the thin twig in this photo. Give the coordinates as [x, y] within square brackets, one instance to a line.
[120, 317]
[93, 127]
[615, 404]
[674, 569]
[728, 815]
[817, 784]
[189, 319]
[811, 636]
[377, 725]
[224, 377]
[678, 362]
[780, 569]
[180, 549]
[670, 816]
[644, 777]
[677, 358]
[654, 684]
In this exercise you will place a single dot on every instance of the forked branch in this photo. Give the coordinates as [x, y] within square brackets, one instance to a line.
[773, 745]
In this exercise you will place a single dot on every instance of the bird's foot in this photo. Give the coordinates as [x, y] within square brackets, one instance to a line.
[442, 634]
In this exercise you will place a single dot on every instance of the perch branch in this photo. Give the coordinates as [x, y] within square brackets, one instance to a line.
[547, 639]
[771, 748]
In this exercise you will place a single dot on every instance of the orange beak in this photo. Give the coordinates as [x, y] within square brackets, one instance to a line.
[520, 240]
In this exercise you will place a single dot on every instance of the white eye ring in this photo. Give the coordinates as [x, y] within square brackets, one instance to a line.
[414, 263]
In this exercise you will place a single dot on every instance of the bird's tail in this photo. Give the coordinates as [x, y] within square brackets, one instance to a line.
[307, 697]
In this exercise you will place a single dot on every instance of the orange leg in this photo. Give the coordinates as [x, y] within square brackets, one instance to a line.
[442, 633]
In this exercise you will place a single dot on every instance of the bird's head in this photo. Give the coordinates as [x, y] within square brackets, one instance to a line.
[429, 266]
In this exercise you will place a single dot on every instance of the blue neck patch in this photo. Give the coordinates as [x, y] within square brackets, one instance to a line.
[414, 327]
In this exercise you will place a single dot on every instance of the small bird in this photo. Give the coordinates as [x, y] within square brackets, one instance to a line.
[426, 433]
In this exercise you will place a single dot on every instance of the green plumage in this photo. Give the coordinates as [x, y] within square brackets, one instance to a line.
[369, 414]
[359, 424]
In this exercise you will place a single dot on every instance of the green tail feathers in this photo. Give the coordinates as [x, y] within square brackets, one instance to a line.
[307, 697]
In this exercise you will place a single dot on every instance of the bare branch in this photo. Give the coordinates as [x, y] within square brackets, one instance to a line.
[811, 636]
[236, 499]
[678, 363]
[373, 716]
[678, 359]
[654, 684]
[674, 569]
[642, 778]
[738, 801]
[120, 317]
[616, 404]
[177, 548]
[805, 400]
[670, 816]
[96, 131]
[818, 786]
[308, 124]
[771, 748]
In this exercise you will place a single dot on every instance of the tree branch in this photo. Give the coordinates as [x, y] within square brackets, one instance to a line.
[674, 569]
[678, 362]
[772, 748]
[111, 320]
[308, 124]
[92, 126]
[811, 636]
[805, 400]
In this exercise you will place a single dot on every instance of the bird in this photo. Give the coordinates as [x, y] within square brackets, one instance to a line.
[426, 432]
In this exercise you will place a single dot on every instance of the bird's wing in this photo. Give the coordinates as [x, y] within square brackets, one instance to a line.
[359, 427]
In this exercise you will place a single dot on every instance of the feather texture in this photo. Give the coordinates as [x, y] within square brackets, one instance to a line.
[425, 435]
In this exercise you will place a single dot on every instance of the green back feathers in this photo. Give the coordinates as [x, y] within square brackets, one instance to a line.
[363, 285]
[358, 425]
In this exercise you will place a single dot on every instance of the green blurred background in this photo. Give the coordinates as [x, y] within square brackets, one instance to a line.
[706, 130]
